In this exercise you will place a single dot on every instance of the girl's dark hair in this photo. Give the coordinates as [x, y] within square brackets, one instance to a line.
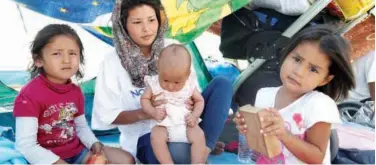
[127, 5]
[44, 37]
[338, 50]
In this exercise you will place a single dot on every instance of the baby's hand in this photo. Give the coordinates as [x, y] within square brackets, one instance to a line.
[191, 120]
[189, 103]
[159, 114]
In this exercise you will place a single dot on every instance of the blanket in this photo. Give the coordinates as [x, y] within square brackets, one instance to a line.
[9, 155]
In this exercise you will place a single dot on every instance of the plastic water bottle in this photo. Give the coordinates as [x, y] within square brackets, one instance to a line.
[244, 153]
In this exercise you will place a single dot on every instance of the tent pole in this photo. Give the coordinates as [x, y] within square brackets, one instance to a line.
[23, 21]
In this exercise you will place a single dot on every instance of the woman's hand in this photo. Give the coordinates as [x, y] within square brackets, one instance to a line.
[189, 103]
[191, 120]
[274, 124]
[240, 123]
[61, 161]
[159, 114]
[157, 103]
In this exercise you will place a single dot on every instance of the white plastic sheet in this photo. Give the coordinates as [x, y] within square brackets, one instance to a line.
[288, 7]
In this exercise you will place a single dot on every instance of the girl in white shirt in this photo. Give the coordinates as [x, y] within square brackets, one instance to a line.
[315, 72]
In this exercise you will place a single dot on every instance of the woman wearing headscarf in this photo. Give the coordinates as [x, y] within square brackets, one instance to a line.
[138, 28]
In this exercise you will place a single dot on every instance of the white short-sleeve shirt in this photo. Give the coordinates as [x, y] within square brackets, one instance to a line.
[115, 93]
[364, 70]
[299, 116]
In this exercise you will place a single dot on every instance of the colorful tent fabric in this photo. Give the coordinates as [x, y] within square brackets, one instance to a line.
[190, 18]
[187, 18]
[7, 95]
[83, 11]
[103, 33]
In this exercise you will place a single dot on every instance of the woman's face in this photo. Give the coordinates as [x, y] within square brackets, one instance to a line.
[142, 25]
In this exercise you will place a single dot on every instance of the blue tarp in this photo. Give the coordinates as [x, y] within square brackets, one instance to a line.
[77, 11]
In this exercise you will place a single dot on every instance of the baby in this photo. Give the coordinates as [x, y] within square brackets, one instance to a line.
[175, 84]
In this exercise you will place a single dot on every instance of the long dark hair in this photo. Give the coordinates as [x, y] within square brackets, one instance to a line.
[127, 5]
[337, 49]
[44, 37]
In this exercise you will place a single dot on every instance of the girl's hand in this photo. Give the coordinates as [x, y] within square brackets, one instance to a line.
[97, 148]
[61, 161]
[191, 120]
[189, 104]
[274, 124]
[157, 103]
[98, 156]
[240, 123]
[97, 159]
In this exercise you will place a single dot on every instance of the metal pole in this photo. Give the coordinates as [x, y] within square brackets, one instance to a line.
[292, 30]
[23, 21]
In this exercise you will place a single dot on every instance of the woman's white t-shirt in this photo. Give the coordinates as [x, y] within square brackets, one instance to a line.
[301, 115]
[364, 70]
[115, 93]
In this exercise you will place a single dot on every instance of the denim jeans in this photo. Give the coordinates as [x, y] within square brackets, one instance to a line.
[79, 158]
[354, 156]
[217, 96]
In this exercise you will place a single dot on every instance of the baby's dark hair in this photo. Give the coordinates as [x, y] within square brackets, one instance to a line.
[337, 49]
[44, 37]
[127, 5]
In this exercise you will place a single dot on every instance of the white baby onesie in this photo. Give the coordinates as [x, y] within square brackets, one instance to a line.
[175, 107]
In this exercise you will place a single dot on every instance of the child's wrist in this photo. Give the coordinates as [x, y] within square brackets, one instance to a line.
[196, 115]
[284, 138]
[149, 111]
